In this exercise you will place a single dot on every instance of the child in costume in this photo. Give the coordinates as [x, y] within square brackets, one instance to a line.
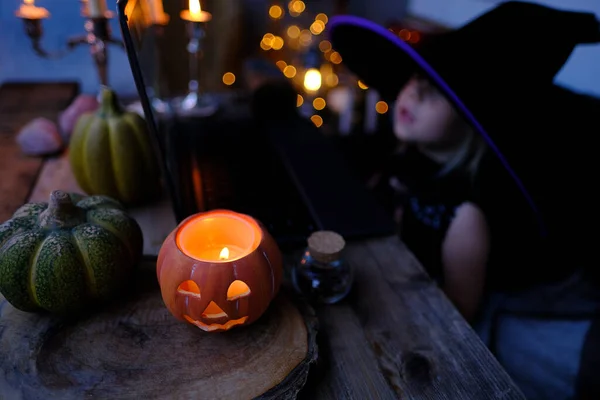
[466, 182]
[493, 181]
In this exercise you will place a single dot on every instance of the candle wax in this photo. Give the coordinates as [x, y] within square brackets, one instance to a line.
[204, 236]
[201, 16]
[97, 8]
[213, 253]
[29, 11]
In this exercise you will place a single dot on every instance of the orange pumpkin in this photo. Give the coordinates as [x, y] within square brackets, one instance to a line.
[218, 270]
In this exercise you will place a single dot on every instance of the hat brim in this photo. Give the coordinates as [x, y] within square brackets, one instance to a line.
[385, 62]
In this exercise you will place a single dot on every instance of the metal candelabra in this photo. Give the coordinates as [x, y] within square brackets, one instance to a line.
[196, 100]
[97, 35]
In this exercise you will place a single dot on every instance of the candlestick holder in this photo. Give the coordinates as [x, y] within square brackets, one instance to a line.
[157, 89]
[97, 35]
[311, 80]
[196, 101]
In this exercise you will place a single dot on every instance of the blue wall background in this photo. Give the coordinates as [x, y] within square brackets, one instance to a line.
[581, 72]
[19, 62]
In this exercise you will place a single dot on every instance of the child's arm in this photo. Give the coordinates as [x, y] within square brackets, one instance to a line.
[465, 253]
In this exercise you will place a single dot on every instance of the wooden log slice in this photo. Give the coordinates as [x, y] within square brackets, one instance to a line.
[135, 349]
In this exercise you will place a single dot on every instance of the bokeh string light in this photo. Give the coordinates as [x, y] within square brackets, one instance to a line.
[296, 44]
[298, 47]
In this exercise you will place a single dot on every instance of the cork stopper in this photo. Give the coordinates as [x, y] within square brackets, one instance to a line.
[326, 246]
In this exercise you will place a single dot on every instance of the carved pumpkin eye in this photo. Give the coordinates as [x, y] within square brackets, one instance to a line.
[237, 289]
[189, 288]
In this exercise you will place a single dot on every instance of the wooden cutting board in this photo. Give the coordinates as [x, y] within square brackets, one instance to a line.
[135, 349]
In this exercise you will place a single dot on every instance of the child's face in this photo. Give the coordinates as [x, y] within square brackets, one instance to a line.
[423, 115]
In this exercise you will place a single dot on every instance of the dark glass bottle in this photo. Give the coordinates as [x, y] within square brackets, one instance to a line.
[322, 275]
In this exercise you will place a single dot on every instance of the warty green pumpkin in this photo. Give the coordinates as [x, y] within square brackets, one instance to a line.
[63, 255]
[110, 153]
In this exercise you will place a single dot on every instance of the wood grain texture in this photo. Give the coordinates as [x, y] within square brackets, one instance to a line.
[395, 336]
[397, 322]
[134, 349]
[19, 104]
[156, 219]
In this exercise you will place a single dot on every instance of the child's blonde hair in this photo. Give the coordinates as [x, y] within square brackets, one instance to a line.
[468, 155]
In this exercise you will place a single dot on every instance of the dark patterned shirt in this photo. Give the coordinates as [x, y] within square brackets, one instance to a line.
[430, 205]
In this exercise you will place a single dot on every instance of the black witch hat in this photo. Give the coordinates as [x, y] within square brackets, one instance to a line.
[497, 70]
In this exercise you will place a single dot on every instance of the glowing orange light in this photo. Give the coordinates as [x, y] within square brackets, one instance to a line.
[275, 12]
[317, 27]
[322, 17]
[293, 32]
[281, 64]
[415, 37]
[195, 8]
[319, 103]
[325, 46]
[228, 78]
[404, 34]
[277, 43]
[289, 71]
[195, 12]
[224, 254]
[317, 120]
[381, 107]
[335, 57]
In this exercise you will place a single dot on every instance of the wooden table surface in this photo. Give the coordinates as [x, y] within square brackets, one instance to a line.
[395, 336]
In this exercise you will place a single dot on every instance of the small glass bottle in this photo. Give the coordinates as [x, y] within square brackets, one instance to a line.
[322, 275]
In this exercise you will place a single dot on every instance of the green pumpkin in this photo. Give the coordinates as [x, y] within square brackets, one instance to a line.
[110, 154]
[63, 255]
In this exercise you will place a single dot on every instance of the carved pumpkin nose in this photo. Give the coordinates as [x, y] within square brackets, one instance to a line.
[213, 311]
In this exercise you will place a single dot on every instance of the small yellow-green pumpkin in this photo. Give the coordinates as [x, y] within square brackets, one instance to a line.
[63, 255]
[110, 154]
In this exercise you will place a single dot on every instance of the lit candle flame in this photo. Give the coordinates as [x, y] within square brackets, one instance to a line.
[224, 255]
[195, 11]
[312, 80]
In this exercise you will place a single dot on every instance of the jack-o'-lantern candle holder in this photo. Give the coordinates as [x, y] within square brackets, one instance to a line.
[218, 270]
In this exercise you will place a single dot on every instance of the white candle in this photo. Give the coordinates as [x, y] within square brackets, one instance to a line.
[218, 236]
[97, 8]
[195, 13]
[29, 11]
[220, 253]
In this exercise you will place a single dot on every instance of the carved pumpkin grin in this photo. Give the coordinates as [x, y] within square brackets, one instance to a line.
[214, 327]
[214, 318]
